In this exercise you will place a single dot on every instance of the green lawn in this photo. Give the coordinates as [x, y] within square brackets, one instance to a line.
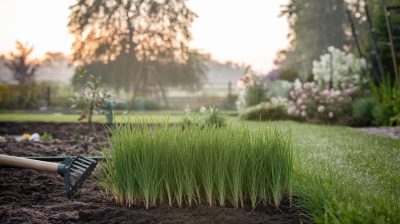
[341, 175]
[172, 116]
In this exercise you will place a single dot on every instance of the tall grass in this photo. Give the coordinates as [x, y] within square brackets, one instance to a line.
[185, 167]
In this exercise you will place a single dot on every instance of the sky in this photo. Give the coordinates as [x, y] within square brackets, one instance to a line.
[242, 31]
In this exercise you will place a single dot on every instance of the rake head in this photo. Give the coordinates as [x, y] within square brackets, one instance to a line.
[75, 171]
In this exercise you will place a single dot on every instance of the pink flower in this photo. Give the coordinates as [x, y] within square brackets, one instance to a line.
[303, 107]
[292, 110]
[303, 113]
[299, 101]
[321, 108]
[308, 85]
[330, 114]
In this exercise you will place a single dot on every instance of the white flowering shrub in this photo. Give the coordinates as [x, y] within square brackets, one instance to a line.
[340, 66]
[309, 102]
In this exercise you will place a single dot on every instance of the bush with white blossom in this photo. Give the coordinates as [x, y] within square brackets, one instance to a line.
[338, 65]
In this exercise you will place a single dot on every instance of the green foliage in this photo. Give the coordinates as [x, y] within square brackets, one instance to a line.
[314, 26]
[213, 118]
[148, 166]
[265, 111]
[229, 102]
[387, 94]
[255, 94]
[144, 104]
[288, 74]
[363, 109]
[382, 114]
[46, 137]
[77, 137]
[31, 96]
[209, 118]
[92, 96]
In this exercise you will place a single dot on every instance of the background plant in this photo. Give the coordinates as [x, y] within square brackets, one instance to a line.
[92, 97]
[266, 111]
[387, 94]
[309, 102]
[212, 118]
[252, 90]
[197, 165]
[363, 109]
[336, 67]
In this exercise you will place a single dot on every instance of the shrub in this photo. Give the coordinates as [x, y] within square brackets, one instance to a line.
[251, 93]
[387, 94]
[209, 117]
[229, 102]
[255, 94]
[144, 104]
[213, 118]
[310, 102]
[363, 111]
[265, 111]
[338, 66]
[149, 166]
[382, 114]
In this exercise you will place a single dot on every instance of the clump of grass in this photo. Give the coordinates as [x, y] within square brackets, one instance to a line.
[183, 167]
[47, 137]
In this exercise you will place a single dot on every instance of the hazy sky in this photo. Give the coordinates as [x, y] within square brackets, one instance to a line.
[247, 31]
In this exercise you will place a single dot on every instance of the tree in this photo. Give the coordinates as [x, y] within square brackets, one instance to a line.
[376, 12]
[129, 36]
[23, 69]
[314, 26]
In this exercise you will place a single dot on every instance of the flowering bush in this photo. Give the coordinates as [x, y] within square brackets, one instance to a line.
[337, 65]
[310, 103]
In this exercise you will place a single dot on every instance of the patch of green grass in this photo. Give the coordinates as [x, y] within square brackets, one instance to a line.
[28, 117]
[196, 165]
[343, 175]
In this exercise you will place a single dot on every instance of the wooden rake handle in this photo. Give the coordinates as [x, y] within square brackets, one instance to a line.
[18, 162]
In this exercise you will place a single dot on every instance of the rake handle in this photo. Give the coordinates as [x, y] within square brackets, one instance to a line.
[18, 162]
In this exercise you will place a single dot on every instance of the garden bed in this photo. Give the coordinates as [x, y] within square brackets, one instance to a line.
[30, 196]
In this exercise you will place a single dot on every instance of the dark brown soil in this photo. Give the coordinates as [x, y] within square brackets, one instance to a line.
[62, 131]
[33, 197]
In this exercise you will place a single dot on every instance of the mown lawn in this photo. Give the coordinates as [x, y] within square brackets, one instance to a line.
[20, 117]
[341, 175]
[344, 175]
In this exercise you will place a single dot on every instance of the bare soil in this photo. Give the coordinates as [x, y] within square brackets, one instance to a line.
[34, 197]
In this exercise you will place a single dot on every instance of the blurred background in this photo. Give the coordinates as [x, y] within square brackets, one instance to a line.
[173, 54]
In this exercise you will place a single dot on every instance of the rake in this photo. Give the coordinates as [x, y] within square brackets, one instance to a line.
[75, 170]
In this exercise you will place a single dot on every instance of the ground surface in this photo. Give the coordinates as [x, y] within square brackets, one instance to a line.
[33, 197]
[393, 132]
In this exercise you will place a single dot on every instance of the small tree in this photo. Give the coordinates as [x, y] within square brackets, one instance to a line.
[92, 96]
[22, 69]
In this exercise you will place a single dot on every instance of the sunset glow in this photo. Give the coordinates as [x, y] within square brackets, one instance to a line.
[241, 31]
